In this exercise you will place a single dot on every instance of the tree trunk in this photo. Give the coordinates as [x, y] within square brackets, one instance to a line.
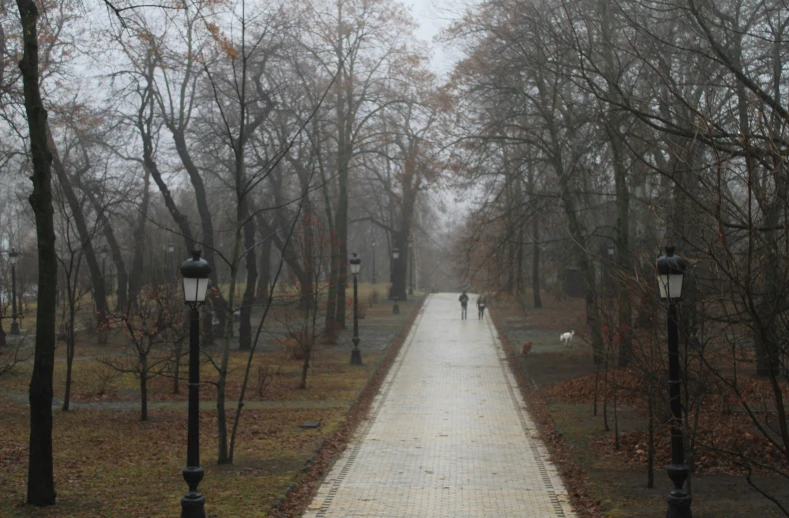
[135, 277]
[307, 287]
[85, 237]
[70, 344]
[117, 256]
[341, 226]
[399, 266]
[40, 478]
[264, 266]
[248, 300]
[143, 387]
[651, 444]
[535, 264]
[625, 310]
[207, 239]
[177, 367]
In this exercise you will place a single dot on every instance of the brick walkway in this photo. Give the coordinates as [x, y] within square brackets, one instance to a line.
[448, 435]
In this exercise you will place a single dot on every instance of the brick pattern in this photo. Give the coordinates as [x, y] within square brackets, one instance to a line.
[448, 434]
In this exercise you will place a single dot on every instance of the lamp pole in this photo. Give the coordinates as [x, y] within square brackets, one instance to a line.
[356, 354]
[12, 257]
[195, 271]
[671, 270]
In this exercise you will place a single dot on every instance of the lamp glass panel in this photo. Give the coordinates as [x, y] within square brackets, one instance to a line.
[355, 268]
[670, 286]
[675, 285]
[190, 289]
[195, 289]
[663, 285]
[202, 288]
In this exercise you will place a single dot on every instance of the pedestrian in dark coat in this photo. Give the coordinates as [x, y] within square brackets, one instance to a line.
[463, 305]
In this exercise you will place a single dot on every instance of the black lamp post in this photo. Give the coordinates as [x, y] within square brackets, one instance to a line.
[671, 270]
[395, 257]
[374, 278]
[12, 257]
[195, 272]
[356, 354]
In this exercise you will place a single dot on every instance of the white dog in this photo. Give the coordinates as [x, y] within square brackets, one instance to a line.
[567, 338]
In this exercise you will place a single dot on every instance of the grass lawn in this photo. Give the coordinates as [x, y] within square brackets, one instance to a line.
[110, 464]
[558, 384]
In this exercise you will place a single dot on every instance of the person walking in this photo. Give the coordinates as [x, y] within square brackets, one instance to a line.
[463, 305]
[481, 305]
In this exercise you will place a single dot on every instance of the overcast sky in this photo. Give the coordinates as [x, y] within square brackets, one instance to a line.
[432, 16]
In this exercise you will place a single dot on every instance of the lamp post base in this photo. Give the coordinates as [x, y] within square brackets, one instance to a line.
[678, 505]
[678, 499]
[395, 309]
[193, 502]
[14, 328]
[356, 356]
[193, 505]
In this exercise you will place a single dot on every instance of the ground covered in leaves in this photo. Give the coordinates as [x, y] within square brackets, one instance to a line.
[603, 456]
[110, 464]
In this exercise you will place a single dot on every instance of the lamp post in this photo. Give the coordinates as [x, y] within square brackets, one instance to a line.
[12, 257]
[395, 257]
[356, 355]
[195, 271]
[671, 270]
[374, 278]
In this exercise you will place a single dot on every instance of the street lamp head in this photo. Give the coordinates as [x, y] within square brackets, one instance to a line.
[356, 264]
[671, 271]
[12, 256]
[195, 271]
[171, 247]
[610, 250]
[396, 253]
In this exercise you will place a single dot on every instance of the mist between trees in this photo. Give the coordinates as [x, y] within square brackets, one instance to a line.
[281, 137]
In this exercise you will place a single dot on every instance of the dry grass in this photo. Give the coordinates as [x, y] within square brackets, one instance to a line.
[109, 464]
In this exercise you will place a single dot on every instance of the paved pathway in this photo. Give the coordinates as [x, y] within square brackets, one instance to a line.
[447, 436]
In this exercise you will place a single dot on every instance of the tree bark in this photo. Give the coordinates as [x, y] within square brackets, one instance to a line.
[264, 265]
[143, 387]
[248, 300]
[207, 239]
[135, 277]
[535, 264]
[40, 478]
[115, 250]
[85, 237]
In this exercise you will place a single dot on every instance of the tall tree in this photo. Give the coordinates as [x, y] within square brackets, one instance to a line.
[40, 480]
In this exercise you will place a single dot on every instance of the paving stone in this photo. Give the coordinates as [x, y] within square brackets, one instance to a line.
[448, 435]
